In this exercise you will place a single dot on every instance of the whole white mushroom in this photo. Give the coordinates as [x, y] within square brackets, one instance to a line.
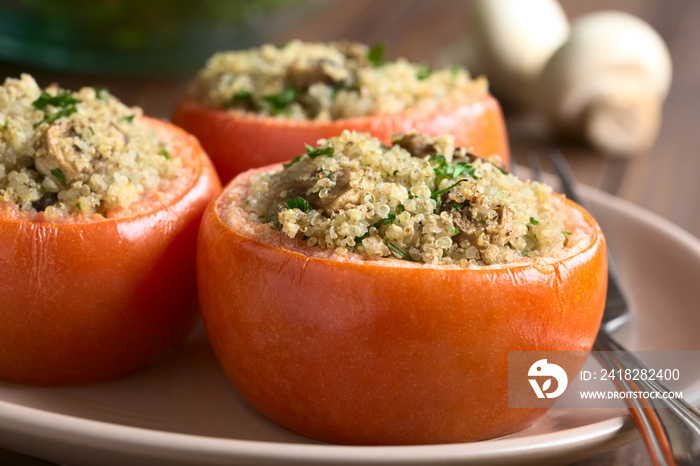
[608, 82]
[513, 41]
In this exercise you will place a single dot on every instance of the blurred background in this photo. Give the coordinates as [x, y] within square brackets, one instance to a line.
[146, 51]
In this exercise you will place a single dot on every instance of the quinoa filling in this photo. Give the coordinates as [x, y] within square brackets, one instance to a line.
[420, 199]
[327, 82]
[64, 152]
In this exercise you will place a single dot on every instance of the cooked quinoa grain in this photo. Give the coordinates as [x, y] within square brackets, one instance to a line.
[327, 82]
[421, 199]
[64, 152]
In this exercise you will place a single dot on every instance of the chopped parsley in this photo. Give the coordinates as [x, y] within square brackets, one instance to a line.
[298, 203]
[164, 152]
[423, 72]
[403, 254]
[293, 161]
[91, 130]
[129, 118]
[376, 55]
[359, 239]
[534, 221]
[389, 219]
[455, 232]
[566, 236]
[280, 102]
[102, 93]
[384, 221]
[243, 98]
[63, 101]
[313, 153]
[437, 195]
[464, 168]
[443, 169]
[60, 176]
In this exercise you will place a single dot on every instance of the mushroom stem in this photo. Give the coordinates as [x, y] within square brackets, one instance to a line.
[622, 123]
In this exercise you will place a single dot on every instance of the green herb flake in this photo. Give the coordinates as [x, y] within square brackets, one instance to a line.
[128, 119]
[102, 93]
[440, 166]
[423, 72]
[64, 101]
[443, 169]
[534, 221]
[376, 55]
[242, 97]
[566, 236]
[505, 172]
[293, 161]
[436, 195]
[384, 221]
[455, 232]
[91, 130]
[280, 102]
[58, 174]
[404, 255]
[318, 152]
[457, 206]
[164, 152]
[298, 203]
[510, 245]
[359, 239]
[466, 169]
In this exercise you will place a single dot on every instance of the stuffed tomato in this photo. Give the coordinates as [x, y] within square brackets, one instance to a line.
[257, 107]
[370, 294]
[99, 212]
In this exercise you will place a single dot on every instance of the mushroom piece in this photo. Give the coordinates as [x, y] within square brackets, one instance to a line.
[302, 74]
[513, 40]
[471, 229]
[296, 181]
[341, 194]
[55, 151]
[608, 82]
[418, 145]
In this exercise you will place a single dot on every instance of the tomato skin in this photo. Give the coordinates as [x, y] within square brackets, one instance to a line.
[368, 354]
[237, 143]
[87, 302]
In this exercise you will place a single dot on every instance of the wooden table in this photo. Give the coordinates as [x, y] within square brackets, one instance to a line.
[664, 181]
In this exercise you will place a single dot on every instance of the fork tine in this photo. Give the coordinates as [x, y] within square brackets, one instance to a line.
[566, 177]
[616, 306]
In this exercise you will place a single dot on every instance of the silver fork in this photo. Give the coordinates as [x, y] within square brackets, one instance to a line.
[670, 427]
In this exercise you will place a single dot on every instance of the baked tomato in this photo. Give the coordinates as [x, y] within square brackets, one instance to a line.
[238, 141]
[355, 351]
[86, 301]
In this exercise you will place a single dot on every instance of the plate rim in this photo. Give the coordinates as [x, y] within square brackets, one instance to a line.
[601, 436]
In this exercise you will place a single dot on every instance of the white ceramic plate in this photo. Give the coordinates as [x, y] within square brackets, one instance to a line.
[184, 411]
